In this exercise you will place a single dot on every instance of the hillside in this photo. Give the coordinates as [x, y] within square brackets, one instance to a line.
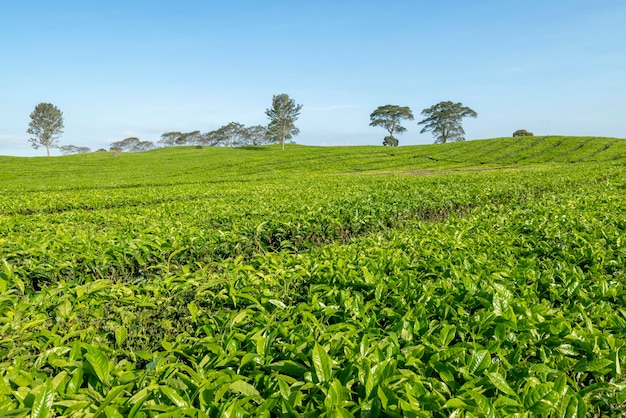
[189, 164]
[483, 278]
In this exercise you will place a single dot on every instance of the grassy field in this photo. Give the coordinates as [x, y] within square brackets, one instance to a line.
[481, 278]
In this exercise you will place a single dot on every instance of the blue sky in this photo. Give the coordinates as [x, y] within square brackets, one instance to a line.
[140, 68]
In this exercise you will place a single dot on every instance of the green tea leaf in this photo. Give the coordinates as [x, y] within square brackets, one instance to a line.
[173, 396]
[456, 403]
[193, 310]
[540, 399]
[111, 396]
[447, 335]
[322, 364]
[501, 384]
[484, 405]
[99, 363]
[43, 401]
[244, 388]
[480, 361]
[120, 335]
[111, 412]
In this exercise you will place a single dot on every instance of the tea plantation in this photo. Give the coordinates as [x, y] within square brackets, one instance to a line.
[479, 278]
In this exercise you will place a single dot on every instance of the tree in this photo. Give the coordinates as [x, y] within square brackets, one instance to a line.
[169, 139]
[444, 121]
[46, 126]
[144, 146]
[193, 138]
[522, 132]
[208, 138]
[131, 144]
[282, 115]
[232, 135]
[127, 144]
[389, 117]
[256, 135]
[73, 149]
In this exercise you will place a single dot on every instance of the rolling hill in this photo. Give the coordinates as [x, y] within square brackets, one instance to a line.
[191, 164]
[482, 278]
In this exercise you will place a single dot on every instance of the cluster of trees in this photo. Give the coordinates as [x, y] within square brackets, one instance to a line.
[73, 149]
[442, 119]
[46, 126]
[131, 144]
[233, 134]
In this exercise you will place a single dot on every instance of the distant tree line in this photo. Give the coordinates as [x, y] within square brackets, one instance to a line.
[131, 144]
[46, 126]
[233, 134]
[443, 120]
[73, 149]
[281, 128]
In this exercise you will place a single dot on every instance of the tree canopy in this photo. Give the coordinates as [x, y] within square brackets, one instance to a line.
[73, 149]
[389, 117]
[169, 139]
[46, 126]
[231, 135]
[131, 144]
[256, 135]
[444, 121]
[283, 114]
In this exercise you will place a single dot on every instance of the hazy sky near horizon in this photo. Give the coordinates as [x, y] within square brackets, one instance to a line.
[141, 68]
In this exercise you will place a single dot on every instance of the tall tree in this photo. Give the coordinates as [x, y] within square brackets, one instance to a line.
[389, 117]
[444, 121]
[283, 114]
[46, 126]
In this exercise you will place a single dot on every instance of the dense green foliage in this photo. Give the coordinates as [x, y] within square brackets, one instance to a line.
[480, 278]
